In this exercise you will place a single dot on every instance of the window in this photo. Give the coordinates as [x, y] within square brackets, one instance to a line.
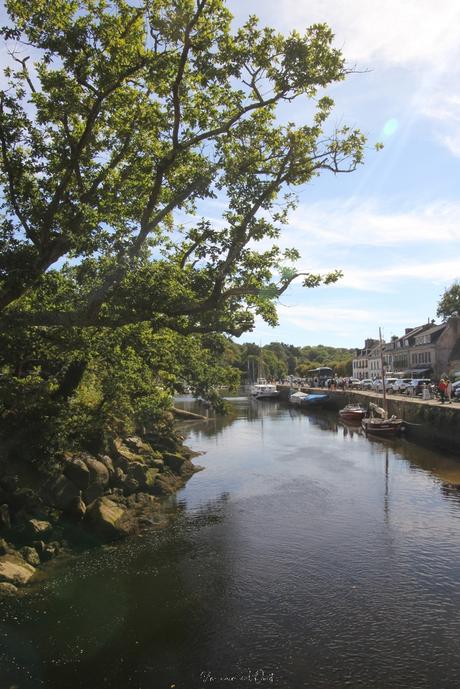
[423, 339]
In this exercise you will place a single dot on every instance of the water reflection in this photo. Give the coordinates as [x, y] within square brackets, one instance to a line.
[443, 465]
[124, 614]
[304, 549]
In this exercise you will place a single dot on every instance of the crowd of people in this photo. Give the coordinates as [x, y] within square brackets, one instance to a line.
[443, 389]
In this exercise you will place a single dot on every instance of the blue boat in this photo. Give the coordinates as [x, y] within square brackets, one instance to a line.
[308, 399]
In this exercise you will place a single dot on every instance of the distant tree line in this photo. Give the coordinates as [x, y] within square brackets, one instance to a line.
[278, 360]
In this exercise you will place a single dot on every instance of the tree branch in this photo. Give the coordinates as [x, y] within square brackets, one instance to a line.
[25, 71]
[181, 70]
[83, 141]
[12, 185]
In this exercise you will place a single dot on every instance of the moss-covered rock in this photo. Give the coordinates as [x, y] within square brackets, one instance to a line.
[150, 477]
[5, 519]
[165, 484]
[30, 555]
[124, 455]
[107, 519]
[7, 589]
[62, 492]
[178, 463]
[143, 474]
[15, 570]
[108, 463]
[77, 471]
[138, 446]
[39, 527]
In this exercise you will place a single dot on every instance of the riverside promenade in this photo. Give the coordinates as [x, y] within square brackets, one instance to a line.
[426, 420]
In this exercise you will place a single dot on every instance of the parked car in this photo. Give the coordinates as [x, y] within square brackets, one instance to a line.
[377, 385]
[356, 384]
[366, 384]
[456, 389]
[416, 386]
[399, 385]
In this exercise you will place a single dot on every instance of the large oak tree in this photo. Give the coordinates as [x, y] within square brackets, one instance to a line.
[119, 121]
[119, 114]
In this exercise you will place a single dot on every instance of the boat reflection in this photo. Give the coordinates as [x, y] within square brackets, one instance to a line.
[351, 428]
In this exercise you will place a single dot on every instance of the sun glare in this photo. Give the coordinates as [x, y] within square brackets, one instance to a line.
[390, 127]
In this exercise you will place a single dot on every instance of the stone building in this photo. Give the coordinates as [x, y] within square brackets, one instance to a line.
[447, 346]
[360, 365]
[427, 351]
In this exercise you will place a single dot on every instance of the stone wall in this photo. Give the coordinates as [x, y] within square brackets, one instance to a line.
[426, 421]
[431, 422]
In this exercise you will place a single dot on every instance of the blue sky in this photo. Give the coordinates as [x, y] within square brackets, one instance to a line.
[393, 225]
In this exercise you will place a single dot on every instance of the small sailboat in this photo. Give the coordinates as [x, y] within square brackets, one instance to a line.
[378, 423]
[262, 389]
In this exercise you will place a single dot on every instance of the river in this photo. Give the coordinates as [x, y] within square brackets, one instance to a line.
[304, 556]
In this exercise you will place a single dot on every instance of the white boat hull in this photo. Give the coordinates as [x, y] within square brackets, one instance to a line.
[264, 391]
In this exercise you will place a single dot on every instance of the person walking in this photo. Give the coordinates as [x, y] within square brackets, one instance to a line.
[442, 387]
[449, 390]
[425, 392]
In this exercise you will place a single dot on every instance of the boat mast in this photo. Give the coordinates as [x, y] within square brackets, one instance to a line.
[260, 365]
[383, 373]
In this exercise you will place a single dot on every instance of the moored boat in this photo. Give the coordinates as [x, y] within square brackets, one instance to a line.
[378, 422]
[352, 412]
[308, 399]
[383, 427]
[263, 390]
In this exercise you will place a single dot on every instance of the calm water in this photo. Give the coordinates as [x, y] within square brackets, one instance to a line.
[304, 556]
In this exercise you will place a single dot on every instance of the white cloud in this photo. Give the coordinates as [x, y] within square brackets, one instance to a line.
[417, 37]
[444, 108]
[364, 223]
[330, 317]
[346, 326]
[396, 32]
[386, 280]
[389, 279]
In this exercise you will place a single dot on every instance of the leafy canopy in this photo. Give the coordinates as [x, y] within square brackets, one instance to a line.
[449, 304]
[119, 114]
[117, 119]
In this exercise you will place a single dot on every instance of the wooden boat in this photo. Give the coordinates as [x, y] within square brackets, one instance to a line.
[379, 423]
[308, 399]
[353, 412]
[383, 427]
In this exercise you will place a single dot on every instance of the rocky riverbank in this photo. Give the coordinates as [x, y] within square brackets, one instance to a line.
[88, 499]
